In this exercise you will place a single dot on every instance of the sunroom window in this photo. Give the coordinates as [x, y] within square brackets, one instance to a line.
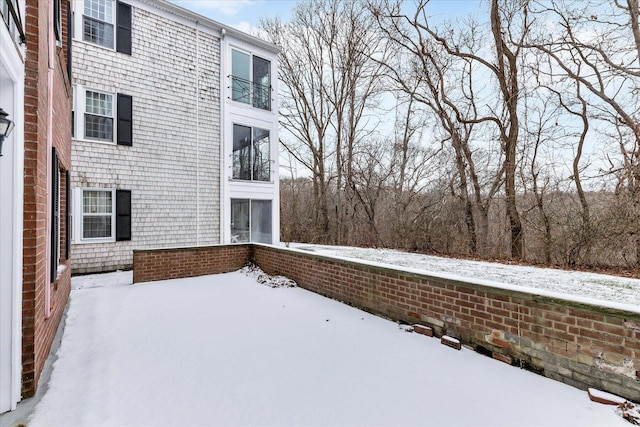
[250, 221]
[251, 80]
[251, 157]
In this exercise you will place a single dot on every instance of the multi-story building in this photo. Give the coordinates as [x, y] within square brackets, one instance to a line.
[175, 133]
[35, 273]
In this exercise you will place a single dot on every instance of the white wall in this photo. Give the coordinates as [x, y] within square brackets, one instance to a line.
[244, 114]
[11, 208]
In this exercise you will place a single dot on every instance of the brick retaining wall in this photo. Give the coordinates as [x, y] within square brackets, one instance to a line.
[160, 264]
[579, 344]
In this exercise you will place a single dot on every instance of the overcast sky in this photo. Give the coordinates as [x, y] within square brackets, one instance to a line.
[240, 14]
[245, 14]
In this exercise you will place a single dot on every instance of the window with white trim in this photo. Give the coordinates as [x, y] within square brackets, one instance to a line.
[251, 221]
[105, 23]
[102, 116]
[251, 154]
[98, 22]
[98, 116]
[102, 215]
[98, 207]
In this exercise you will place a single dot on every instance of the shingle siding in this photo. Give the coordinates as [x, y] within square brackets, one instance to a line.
[173, 166]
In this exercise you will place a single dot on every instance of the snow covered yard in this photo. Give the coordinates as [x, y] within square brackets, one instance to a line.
[226, 350]
[593, 286]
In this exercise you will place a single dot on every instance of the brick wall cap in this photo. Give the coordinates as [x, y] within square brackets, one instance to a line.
[522, 292]
[188, 248]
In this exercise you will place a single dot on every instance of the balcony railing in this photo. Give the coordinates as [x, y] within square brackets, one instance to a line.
[243, 90]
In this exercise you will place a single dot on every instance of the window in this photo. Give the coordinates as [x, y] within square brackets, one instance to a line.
[105, 116]
[251, 158]
[107, 23]
[105, 215]
[98, 118]
[97, 214]
[251, 80]
[97, 22]
[250, 221]
[57, 21]
[60, 214]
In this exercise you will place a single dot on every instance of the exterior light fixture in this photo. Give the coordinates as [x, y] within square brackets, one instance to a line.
[6, 126]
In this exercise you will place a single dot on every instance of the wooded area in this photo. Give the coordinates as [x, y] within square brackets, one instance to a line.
[512, 134]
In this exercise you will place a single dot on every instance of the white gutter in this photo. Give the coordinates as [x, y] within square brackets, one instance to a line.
[223, 158]
[197, 70]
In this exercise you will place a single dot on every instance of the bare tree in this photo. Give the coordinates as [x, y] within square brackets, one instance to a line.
[428, 44]
[328, 87]
[591, 47]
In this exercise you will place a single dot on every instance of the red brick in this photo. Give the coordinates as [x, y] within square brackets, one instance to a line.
[502, 357]
[423, 330]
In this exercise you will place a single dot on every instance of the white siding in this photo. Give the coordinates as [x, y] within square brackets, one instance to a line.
[172, 169]
[178, 169]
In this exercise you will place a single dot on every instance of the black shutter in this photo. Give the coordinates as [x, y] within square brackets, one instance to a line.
[125, 116]
[123, 32]
[123, 215]
[55, 209]
[67, 238]
[69, 38]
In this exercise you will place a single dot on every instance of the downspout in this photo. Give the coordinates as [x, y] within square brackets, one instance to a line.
[50, 69]
[197, 69]
[223, 158]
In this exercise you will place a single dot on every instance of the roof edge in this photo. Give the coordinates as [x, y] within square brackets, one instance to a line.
[174, 9]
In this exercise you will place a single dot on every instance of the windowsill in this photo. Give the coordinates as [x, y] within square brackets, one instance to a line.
[245, 181]
[112, 49]
[94, 141]
[89, 241]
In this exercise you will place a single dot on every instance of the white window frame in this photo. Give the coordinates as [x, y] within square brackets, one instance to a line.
[78, 216]
[79, 24]
[251, 77]
[234, 238]
[79, 111]
[251, 166]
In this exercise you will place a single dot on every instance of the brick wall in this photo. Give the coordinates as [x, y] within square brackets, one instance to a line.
[580, 344]
[173, 166]
[161, 264]
[38, 330]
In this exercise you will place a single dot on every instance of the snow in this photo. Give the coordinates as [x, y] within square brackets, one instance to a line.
[226, 350]
[590, 288]
[116, 278]
[261, 277]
